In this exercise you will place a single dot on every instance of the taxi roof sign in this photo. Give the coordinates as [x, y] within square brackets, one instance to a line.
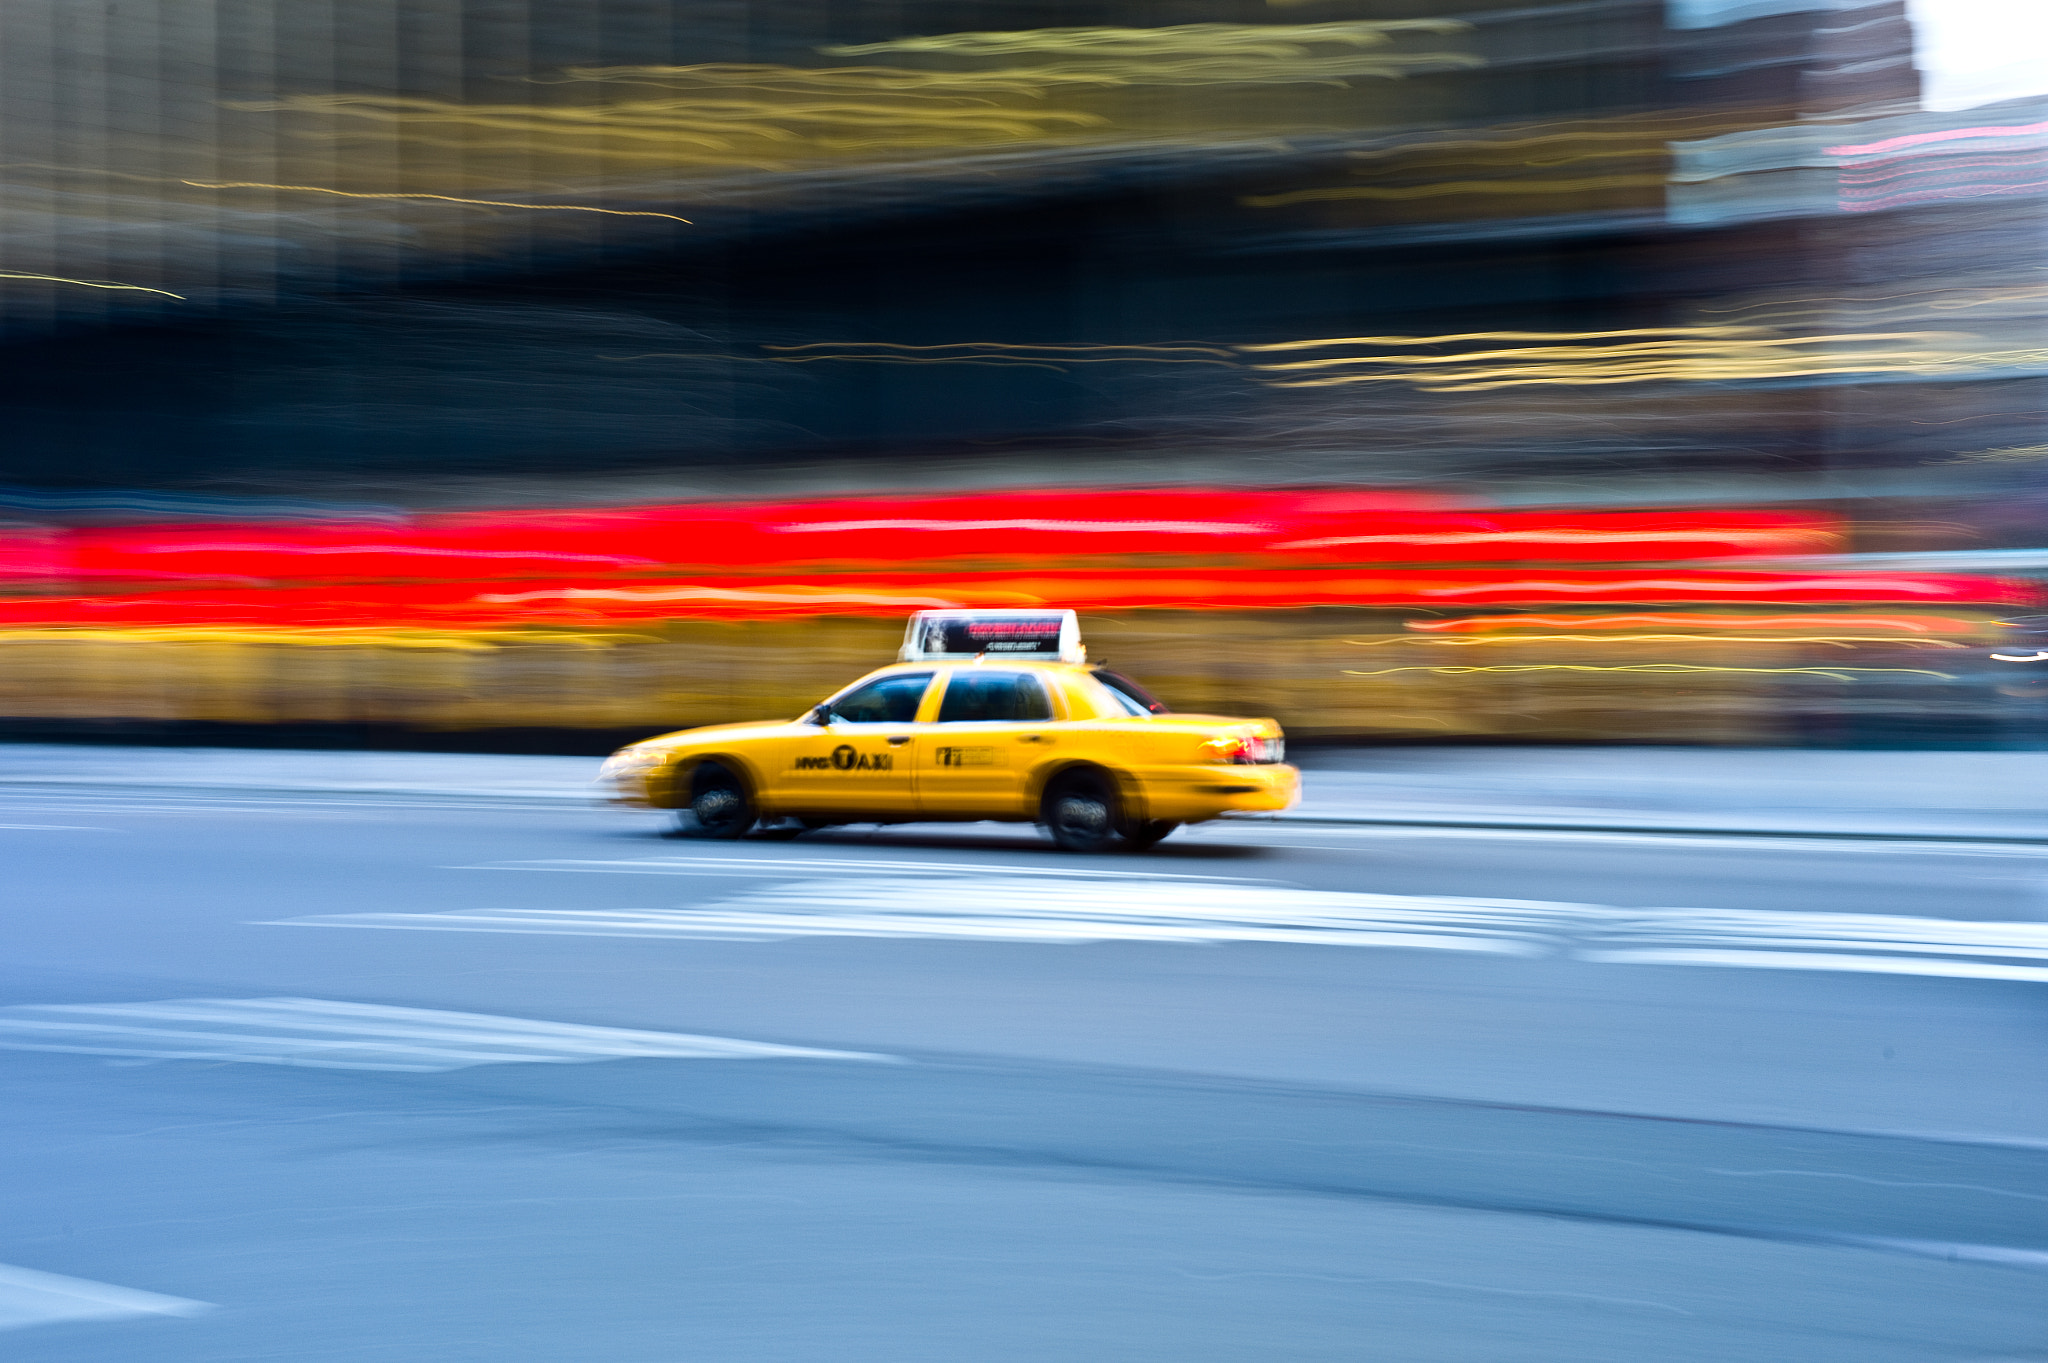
[1026, 634]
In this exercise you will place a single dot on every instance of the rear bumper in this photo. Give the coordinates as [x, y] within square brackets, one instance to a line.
[1193, 794]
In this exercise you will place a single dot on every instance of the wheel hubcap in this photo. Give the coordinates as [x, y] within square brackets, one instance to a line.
[716, 807]
[1083, 815]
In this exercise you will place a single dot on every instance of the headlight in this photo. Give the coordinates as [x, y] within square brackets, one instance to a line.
[629, 762]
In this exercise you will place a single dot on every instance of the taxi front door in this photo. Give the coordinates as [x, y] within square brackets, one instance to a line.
[863, 759]
[992, 728]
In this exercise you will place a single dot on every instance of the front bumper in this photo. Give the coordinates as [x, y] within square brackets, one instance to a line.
[629, 784]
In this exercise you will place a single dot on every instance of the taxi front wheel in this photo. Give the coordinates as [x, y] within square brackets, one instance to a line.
[719, 805]
[1079, 811]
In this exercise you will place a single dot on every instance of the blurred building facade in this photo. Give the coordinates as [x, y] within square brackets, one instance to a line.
[362, 264]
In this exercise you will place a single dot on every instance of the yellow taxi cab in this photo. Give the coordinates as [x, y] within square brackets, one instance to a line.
[991, 714]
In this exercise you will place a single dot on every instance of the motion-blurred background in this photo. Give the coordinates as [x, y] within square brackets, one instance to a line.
[530, 373]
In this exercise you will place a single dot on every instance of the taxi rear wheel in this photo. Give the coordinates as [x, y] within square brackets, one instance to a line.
[1079, 811]
[1140, 836]
[719, 805]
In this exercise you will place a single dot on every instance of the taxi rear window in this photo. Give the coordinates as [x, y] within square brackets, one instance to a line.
[979, 695]
[1130, 692]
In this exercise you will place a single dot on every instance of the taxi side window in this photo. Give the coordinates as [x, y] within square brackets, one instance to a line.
[979, 695]
[1126, 703]
[886, 700]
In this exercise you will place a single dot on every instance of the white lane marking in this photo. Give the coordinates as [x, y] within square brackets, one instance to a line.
[793, 867]
[1020, 908]
[1856, 943]
[353, 1036]
[28, 1297]
[1821, 931]
[1928, 845]
[1815, 960]
[1954, 1251]
[1035, 909]
[546, 923]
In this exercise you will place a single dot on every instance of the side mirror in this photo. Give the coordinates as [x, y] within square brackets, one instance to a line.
[820, 715]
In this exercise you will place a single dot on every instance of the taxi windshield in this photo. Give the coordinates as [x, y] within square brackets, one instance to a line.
[885, 700]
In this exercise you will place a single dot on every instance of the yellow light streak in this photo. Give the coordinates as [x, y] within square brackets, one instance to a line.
[1817, 367]
[442, 198]
[1006, 89]
[838, 80]
[1193, 54]
[1263, 40]
[1682, 354]
[2011, 454]
[28, 275]
[1035, 80]
[1454, 187]
[1651, 349]
[1454, 337]
[729, 130]
[1656, 669]
[1835, 640]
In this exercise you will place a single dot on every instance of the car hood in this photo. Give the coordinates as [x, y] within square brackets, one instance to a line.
[713, 732]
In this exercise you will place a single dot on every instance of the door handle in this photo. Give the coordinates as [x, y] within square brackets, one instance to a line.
[1030, 738]
[899, 740]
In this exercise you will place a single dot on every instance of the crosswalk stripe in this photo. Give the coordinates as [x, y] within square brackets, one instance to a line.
[1018, 908]
[29, 1297]
[1033, 908]
[327, 1034]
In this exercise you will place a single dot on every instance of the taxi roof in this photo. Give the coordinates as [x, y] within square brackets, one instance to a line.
[1016, 634]
[984, 660]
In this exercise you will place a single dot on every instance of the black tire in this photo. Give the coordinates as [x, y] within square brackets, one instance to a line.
[1079, 811]
[1150, 833]
[719, 807]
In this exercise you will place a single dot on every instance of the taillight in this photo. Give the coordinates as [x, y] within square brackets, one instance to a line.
[1245, 750]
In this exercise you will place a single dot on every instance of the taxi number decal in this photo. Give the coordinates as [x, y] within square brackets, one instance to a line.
[846, 758]
[964, 757]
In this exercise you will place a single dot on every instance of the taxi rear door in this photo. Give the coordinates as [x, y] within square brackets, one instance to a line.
[862, 760]
[993, 726]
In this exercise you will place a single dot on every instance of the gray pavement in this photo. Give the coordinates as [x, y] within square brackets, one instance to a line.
[1944, 794]
[365, 1071]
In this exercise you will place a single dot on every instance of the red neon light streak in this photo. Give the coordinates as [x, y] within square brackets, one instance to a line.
[1489, 624]
[583, 605]
[1948, 135]
[1062, 529]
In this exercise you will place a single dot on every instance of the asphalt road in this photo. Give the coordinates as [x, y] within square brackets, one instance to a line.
[341, 1078]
